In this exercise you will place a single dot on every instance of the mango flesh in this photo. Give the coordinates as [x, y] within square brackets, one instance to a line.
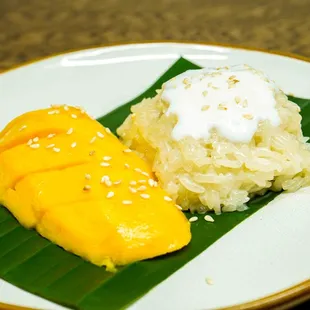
[65, 175]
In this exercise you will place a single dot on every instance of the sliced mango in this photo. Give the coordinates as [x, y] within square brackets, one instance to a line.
[67, 176]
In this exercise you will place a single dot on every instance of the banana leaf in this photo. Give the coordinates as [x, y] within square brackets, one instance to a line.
[41, 267]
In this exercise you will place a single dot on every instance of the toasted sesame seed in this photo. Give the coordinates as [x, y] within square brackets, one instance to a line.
[107, 158]
[232, 77]
[50, 146]
[23, 127]
[127, 166]
[142, 188]
[86, 187]
[74, 116]
[66, 108]
[179, 207]
[107, 130]
[127, 202]
[35, 146]
[100, 134]
[167, 198]
[132, 190]
[51, 135]
[104, 164]
[221, 106]
[145, 196]
[92, 140]
[110, 194]
[69, 132]
[205, 108]
[248, 116]
[55, 149]
[205, 93]
[36, 139]
[237, 99]
[142, 181]
[133, 183]
[73, 145]
[91, 153]
[209, 281]
[29, 142]
[193, 219]
[209, 218]
[117, 182]
[127, 151]
[87, 176]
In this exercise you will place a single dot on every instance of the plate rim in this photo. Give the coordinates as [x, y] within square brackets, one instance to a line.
[284, 299]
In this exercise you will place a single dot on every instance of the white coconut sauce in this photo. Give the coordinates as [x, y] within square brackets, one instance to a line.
[231, 100]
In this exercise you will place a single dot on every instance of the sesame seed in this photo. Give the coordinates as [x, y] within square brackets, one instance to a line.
[145, 173]
[151, 182]
[209, 218]
[205, 93]
[100, 134]
[127, 166]
[248, 116]
[221, 106]
[51, 135]
[237, 99]
[107, 158]
[179, 207]
[133, 183]
[108, 130]
[92, 140]
[245, 103]
[142, 188]
[87, 176]
[210, 84]
[188, 86]
[132, 190]
[142, 181]
[66, 108]
[110, 194]
[205, 108]
[74, 116]
[127, 202]
[69, 132]
[55, 149]
[104, 164]
[104, 179]
[167, 198]
[209, 281]
[35, 146]
[86, 187]
[117, 182]
[127, 151]
[50, 146]
[29, 142]
[145, 196]
[36, 139]
[91, 153]
[23, 127]
[138, 170]
[52, 112]
[73, 145]
[108, 183]
[193, 219]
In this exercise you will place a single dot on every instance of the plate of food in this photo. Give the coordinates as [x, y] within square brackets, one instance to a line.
[155, 176]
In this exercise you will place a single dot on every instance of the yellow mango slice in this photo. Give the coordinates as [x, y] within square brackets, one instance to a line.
[67, 176]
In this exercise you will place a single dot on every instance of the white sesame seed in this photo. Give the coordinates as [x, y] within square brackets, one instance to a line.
[167, 198]
[132, 190]
[100, 134]
[66, 108]
[86, 187]
[74, 116]
[193, 219]
[209, 218]
[142, 181]
[142, 188]
[104, 164]
[69, 132]
[107, 158]
[51, 135]
[151, 182]
[36, 139]
[127, 202]
[145, 173]
[92, 140]
[51, 112]
[155, 184]
[73, 145]
[127, 166]
[108, 183]
[117, 182]
[138, 170]
[108, 130]
[87, 176]
[104, 179]
[133, 183]
[50, 146]
[35, 146]
[23, 127]
[55, 149]
[127, 151]
[145, 196]
[209, 281]
[29, 142]
[179, 207]
[110, 194]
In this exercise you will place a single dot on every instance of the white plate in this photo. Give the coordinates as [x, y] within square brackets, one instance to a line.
[265, 254]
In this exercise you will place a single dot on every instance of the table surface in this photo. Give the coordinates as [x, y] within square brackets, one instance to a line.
[32, 29]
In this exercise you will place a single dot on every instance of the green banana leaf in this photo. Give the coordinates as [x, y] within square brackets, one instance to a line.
[40, 267]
